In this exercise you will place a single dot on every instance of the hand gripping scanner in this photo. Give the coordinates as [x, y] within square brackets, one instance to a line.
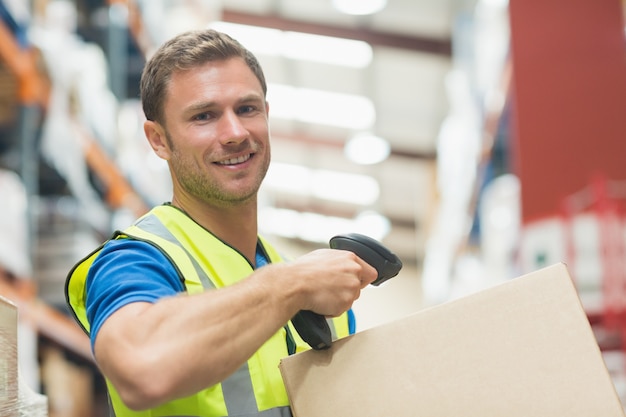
[312, 327]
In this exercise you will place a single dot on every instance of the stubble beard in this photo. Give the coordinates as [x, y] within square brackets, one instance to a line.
[195, 181]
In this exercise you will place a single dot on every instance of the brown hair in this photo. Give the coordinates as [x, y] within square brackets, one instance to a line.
[183, 52]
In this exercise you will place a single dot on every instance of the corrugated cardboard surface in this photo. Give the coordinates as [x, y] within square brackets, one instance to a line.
[523, 348]
[8, 359]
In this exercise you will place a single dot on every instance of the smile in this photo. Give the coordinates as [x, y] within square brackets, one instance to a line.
[234, 161]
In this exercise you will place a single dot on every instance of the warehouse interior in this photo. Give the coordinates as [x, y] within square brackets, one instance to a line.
[479, 140]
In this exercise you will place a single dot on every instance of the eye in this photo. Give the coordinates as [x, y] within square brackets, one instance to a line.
[246, 109]
[202, 116]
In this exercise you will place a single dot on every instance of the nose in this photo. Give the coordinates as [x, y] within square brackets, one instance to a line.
[232, 130]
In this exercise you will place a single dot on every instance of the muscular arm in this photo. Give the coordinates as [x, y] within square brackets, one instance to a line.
[156, 352]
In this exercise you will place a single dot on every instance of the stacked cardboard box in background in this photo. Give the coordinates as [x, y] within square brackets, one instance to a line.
[16, 399]
[8, 359]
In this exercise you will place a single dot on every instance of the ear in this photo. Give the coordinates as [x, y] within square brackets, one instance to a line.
[157, 139]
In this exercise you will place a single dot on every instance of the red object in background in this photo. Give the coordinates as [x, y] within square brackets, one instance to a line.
[605, 200]
[568, 98]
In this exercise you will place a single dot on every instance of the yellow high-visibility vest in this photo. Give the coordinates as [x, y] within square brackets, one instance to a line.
[205, 263]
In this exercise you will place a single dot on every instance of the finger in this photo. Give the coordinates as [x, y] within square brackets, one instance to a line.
[368, 274]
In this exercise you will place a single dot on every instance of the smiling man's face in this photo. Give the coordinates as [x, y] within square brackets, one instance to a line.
[217, 133]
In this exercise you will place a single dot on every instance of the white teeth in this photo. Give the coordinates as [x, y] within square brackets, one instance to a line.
[234, 161]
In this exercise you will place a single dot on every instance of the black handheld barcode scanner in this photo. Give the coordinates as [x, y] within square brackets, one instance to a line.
[312, 327]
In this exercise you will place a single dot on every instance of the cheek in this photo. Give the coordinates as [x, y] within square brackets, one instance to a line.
[193, 141]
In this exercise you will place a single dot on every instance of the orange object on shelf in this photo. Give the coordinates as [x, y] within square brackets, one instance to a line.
[32, 88]
[119, 193]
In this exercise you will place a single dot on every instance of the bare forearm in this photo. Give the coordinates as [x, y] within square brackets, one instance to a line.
[183, 344]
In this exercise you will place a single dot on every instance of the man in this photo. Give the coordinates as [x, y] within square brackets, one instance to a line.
[188, 310]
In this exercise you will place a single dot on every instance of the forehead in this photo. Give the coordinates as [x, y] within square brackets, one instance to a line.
[217, 75]
[210, 85]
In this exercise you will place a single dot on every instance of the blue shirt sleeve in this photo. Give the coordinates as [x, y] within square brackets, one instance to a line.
[127, 271]
[351, 322]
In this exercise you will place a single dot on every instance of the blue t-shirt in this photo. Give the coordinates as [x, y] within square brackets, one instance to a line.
[128, 271]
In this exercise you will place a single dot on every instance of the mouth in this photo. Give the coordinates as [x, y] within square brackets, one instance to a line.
[235, 161]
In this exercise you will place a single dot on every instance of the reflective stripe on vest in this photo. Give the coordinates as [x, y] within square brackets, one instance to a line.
[153, 225]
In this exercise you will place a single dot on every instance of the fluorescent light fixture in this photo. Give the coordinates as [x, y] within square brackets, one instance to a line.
[315, 227]
[300, 46]
[323, 184]
[280, 222]
[372, 224]
[367, 149]
[327, 49]
[359, 7]
[289, 178]
[321, 107]
[344, 187]
[259, 40]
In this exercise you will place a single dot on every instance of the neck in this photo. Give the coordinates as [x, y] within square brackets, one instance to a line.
[235, 225]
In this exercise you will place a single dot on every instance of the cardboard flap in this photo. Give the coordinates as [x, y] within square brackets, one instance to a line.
[522, 348]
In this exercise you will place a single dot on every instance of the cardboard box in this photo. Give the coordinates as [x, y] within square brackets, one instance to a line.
[16, 398]
[8, 359]
[522, 348]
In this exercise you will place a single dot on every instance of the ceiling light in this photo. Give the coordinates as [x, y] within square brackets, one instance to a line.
[367, 149]
[280, 222]
[327, 49]
[349, 111]
[359, 7]
[344, 187]
[372, 224]
[259, 40]
[300, 46]
[315, 227]
[288, 178]
[323, 184]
